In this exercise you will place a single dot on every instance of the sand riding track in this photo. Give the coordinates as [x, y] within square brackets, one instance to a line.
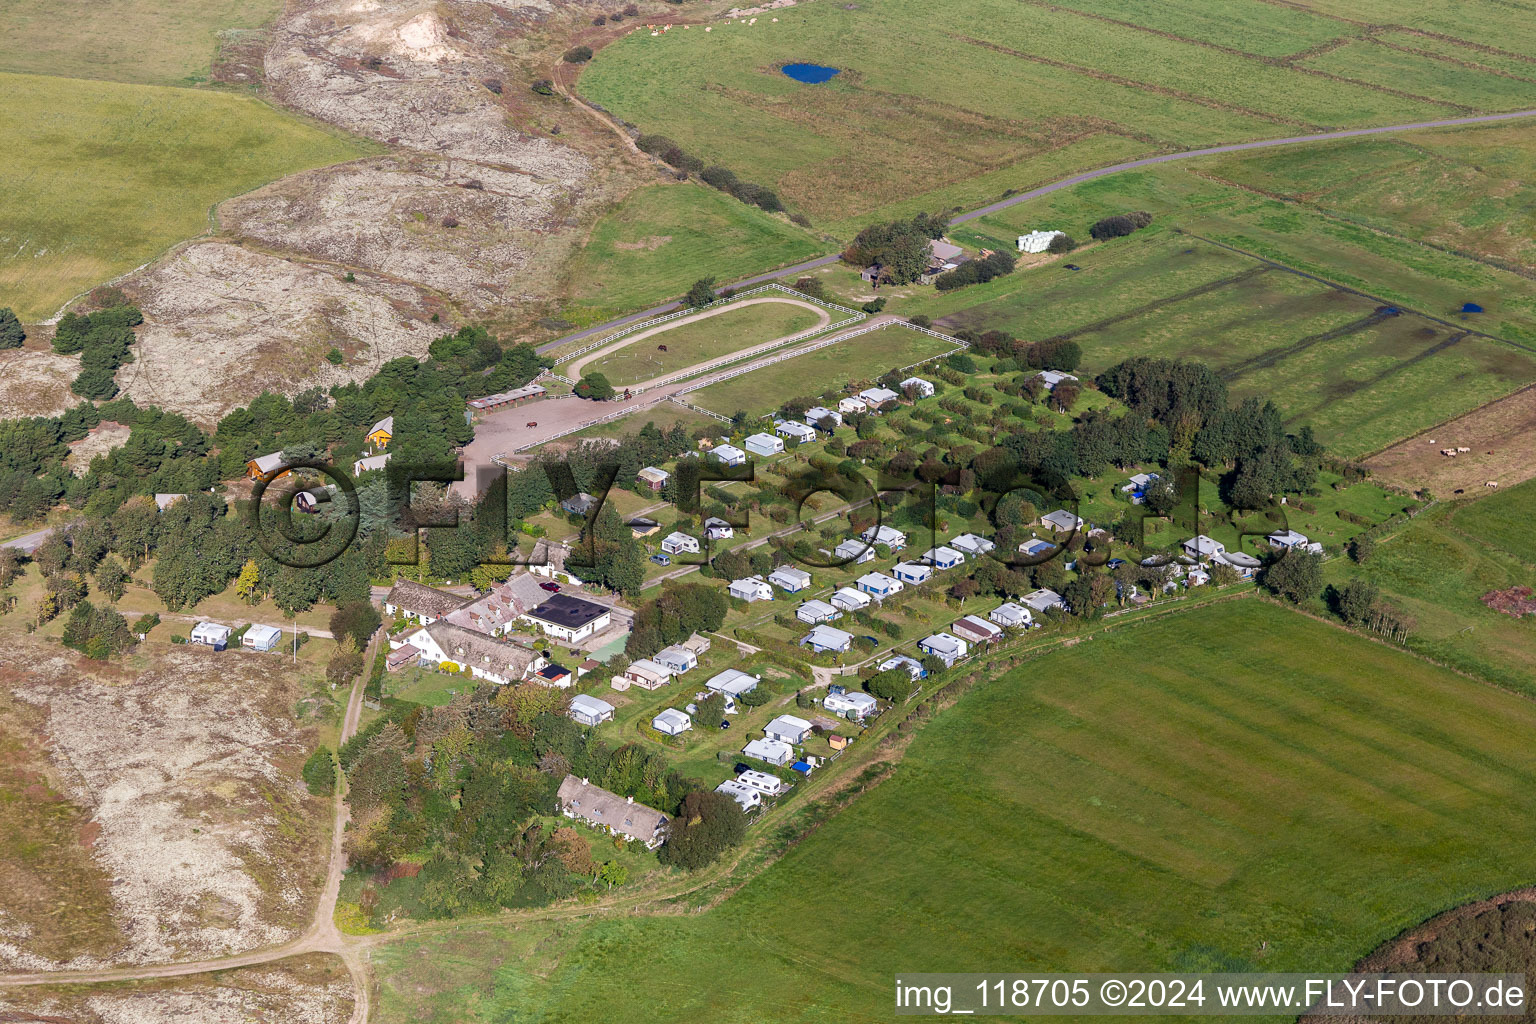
[823, 318]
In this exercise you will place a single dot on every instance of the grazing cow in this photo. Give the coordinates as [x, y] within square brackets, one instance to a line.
[661, 348]
[1462, 451]
[1492, 483]
[1448, 451]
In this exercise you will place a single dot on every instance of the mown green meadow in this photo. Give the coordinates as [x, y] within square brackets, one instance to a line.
[937, 101]
[150, 42]
[662, 238]
[101, 176]
[1191, 793]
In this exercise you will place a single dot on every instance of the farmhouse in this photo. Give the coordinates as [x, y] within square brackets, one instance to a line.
[1202, 547]
[729, 455]
[570, 618]
[972, 545]
[856, 551]
[1062, 521]
[1010, 615]
[412, 600]
[912, 666]
[824, 638]
[1042, 601]
[753, 588]
[912, 572]
[916, 387]
[874, 398]
[821, 416]
[948, 649]
[498, 610]
[763, 444]
[598, 807]
[855, 706]
[653, 478]
[716, 528]
[849, 406]
[1245, 564]
[578, 504]
[891, 538]
[590, 711]
[943, 557]
[261, 638]
[788, 729]
[878, 585]
[772, 751]
[165, 501]
[672, 722]
[496, 661]
[1051, 378]
[813, 612]
[943, 255]
[789, 579]
[977, 630]
[733, 682]
[769, 785]
[746, 796]
[517, 396]
[644, 673]
[677, 542]
[1038, 241]
[677, 658]
[796, 431]
[370, 463]
[851, 600]
[210, 634]
[1139, 482]
[380, 433]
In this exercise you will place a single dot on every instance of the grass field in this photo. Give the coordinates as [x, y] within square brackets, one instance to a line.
[102, 176]
[961, 98]
[1503, 520]
[662, 238]
[858, 359]
[1412, 223]
[718, 335]
[150, 42]
[1186, 794]
[1437, 571]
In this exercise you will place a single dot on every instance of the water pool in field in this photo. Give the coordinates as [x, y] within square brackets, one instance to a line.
[811, 74]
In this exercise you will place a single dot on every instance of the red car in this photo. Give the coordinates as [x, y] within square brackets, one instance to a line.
[553, 588]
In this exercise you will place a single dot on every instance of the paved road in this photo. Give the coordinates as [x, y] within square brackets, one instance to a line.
[1055, 186]
[1235, 147]
[30, 542]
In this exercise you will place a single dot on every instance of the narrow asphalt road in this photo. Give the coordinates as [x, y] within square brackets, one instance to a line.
[1056, 186]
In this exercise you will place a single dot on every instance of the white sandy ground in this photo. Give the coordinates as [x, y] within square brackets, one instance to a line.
[275, 998]
[170, 765]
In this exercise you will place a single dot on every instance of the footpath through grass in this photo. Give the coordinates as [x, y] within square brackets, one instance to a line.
[100, 177]
[1191, 793]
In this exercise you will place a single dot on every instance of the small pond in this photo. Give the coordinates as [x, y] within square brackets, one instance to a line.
[810, 73]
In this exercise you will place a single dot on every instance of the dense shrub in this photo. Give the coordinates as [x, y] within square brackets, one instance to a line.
[319, 772]
[578, 55]
[1120, 224]
[977, 271]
